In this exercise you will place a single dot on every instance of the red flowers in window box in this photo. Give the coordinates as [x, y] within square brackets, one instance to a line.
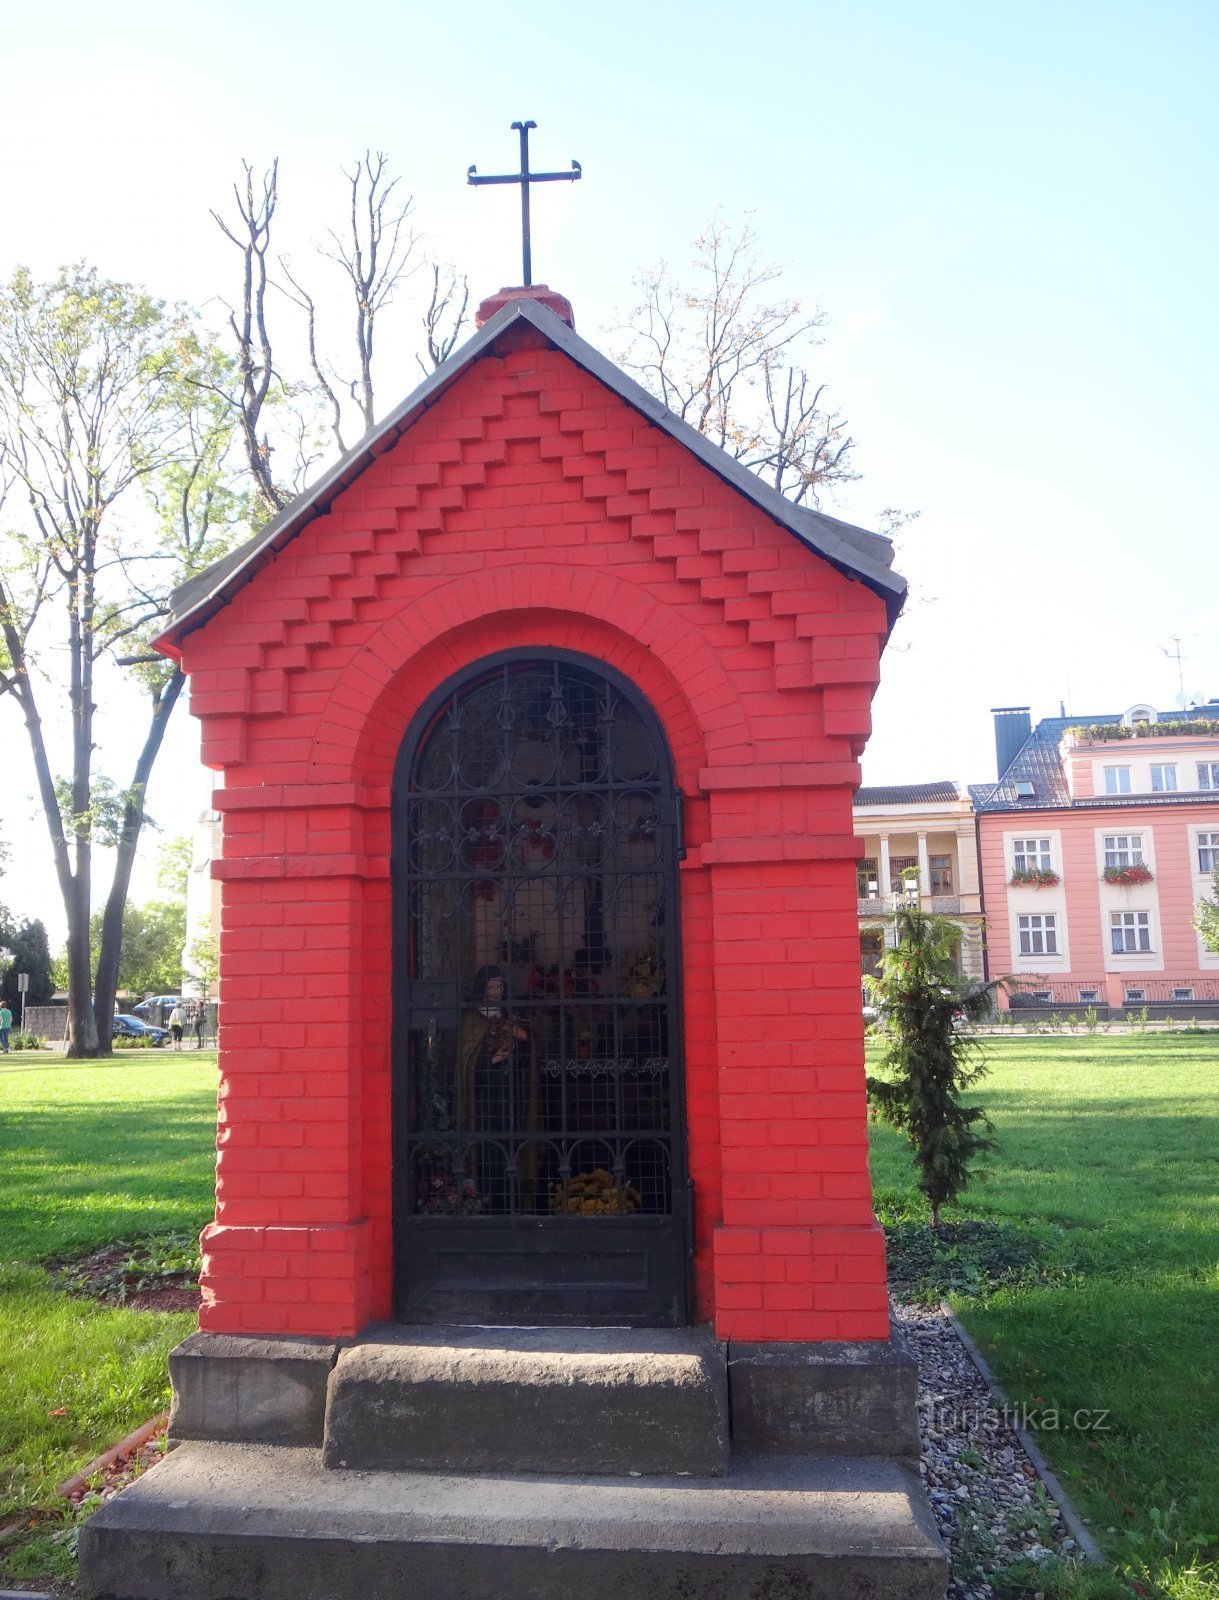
[1128, 875]
[1033, 878]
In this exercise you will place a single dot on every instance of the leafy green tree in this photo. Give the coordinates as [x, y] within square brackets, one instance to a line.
[202, 963]
[928, 1063]
[31, 954]
[116, 420]
[153, 936]
[173, 866]
[1206, 919]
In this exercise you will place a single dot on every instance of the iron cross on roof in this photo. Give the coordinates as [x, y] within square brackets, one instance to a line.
[524, 177]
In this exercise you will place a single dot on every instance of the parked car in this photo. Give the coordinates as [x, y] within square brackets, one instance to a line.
[156, 1002]
[124, 1026]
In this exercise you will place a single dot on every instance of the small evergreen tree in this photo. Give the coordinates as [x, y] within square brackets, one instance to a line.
[1207, 919]
[929, 1063]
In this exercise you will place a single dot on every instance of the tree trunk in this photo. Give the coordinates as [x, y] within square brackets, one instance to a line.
[110, 953]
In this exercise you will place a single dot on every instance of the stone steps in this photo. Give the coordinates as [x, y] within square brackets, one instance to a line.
[265, 1522]
[603, 1401]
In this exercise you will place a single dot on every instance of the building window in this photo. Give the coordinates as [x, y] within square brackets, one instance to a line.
[871, 952]
[1208, 774]
[1183, 994]
[1130, 932]
[1043, 997]
[1164, 779]
[941, 874]
[868, 879]
[1088, 997]
[1208, 852]
[1031, 855]
[1123, 849]
[898, 865]
[1135, 997]
[1038, 935]
[1117, 780]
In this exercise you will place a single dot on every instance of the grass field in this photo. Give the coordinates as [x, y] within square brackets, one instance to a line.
[90, 1154]
[1106, 1184]
[1097, 1288]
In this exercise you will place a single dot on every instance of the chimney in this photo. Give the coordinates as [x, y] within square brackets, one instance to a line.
[542, 293]
[1013, 724]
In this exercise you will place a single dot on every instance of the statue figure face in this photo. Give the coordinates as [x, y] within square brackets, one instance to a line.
[494, 992]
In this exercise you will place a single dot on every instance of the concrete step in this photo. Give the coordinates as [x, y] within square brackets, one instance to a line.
[265, 1522]
[582, 1400]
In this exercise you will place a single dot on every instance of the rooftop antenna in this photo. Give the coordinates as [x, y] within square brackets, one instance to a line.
[1175, 655]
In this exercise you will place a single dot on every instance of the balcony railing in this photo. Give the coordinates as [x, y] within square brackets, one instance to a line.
[1074, 992]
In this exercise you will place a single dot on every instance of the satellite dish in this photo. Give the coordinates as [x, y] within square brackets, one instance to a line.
[1181, 701]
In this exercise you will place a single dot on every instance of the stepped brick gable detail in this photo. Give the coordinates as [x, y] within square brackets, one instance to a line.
[530, 505]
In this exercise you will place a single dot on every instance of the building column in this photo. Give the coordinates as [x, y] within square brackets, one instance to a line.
[924, 866]
[884, 866]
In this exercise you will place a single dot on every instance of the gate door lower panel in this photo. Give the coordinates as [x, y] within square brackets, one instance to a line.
[539, 1151]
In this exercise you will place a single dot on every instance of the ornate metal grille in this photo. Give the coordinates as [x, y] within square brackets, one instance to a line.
[537, 835]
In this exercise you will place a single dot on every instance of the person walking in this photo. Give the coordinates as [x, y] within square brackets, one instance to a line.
[200, 1024]
[6, 1026]
[177, 1021]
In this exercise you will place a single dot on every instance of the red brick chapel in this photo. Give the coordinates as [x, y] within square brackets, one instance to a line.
[536, 725]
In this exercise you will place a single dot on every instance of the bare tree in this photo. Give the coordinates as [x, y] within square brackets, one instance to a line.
[377, 253]
[103, 392]
[445, 315]
[251, 233]
[731, 360]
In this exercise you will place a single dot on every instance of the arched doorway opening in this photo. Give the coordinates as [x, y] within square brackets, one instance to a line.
[539, 1138]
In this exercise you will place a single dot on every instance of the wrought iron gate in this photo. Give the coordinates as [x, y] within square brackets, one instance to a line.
[539, 1156]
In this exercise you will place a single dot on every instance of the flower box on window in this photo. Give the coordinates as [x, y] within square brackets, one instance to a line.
[1128, 875]
[1033, 878]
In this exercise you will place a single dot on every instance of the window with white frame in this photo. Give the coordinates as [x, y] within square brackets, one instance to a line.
[1183, 993]
[1208, 852]
[1123, 849]
[1164, 778]
[1031, 855]
[1208, 774]
[867, 879]
[941, 874]
[1130, 932]
[1117, 780]
[1038, 935]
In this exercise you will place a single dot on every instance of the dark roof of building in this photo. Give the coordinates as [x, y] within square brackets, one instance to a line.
[1037, 765]
[853, 551]
[908, 794]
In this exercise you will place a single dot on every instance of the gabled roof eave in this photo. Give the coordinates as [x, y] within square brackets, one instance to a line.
[856, 552]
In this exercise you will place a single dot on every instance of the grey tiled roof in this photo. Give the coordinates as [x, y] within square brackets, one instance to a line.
[1037, 762]
[908, 794]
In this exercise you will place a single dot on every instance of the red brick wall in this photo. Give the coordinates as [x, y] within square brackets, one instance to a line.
[530, 507]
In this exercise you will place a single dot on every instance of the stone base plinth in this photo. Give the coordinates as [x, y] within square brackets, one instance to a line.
[257, 1522]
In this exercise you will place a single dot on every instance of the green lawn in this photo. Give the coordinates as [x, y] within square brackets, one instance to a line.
[1106, 1184]
[91, 1153]
[1100, 1289]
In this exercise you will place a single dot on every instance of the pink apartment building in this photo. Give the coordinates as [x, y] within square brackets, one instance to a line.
[1096, 843]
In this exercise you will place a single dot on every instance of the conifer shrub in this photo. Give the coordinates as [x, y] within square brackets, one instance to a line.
[929, 1060]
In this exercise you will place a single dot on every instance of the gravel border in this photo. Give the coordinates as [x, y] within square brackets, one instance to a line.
[994, 1497]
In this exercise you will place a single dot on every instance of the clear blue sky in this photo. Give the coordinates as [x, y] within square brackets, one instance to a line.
[1008, 214]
